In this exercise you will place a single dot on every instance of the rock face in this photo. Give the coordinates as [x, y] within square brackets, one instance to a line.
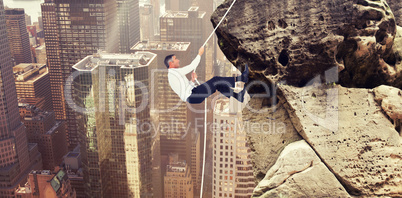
[352, 132]
[292, 41]
[390, 100]
[299, 172]
[270, 131]
[396, 8]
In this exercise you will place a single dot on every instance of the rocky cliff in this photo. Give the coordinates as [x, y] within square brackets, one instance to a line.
[294, 41]
[334, 67]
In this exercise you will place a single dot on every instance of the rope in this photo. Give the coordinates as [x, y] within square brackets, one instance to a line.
[205, 108]
[209, 37]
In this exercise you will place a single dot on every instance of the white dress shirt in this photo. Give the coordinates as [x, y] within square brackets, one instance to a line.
[178, 80]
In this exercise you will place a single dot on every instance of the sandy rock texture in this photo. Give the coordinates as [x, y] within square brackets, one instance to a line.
[396, 7]
[269, 132]
[299, 172]
[351, 134]
[390, 100]
[293, 41]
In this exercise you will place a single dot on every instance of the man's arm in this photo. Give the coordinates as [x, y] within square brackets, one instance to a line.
[193, 65]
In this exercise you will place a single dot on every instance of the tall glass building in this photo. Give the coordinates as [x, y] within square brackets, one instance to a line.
[73, 30]
[17, 157]
[111, 104]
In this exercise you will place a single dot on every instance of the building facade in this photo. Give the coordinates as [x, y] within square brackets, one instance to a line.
[128, 13]
[17, 156]
[32, 83]
[118, 140]
[232, 166]
[147, 22]
[18, 36]
[73, 30]
[177, 181]
[49, 134]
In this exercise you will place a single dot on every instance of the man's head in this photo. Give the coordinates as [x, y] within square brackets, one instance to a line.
[171, 61]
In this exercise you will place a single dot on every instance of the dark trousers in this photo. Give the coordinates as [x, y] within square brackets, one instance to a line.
[222, 84]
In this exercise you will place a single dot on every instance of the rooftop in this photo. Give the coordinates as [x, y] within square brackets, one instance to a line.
[184, 14]
[33, 113]
[161, 45]
[54, 127]
[29, 72]
[139, 59]
[177, 167]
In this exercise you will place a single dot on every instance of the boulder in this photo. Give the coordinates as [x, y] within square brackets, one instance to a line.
[351, 134]
[390, 100]
[299, 172]
[292, 41]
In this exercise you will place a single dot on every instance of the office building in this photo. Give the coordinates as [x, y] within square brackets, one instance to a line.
[74, 30]
[195, 163]
[18, 36]
[128, 13]
[49, 134]
[177, 5]
[32, 83]
[177, 180]
[73, 167]
[40, 54]
[232, 166]
[46, 184]
[17, 156]
[147, 22]
[118, 137]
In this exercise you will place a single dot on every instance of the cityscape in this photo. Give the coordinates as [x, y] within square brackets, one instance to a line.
[87, 110]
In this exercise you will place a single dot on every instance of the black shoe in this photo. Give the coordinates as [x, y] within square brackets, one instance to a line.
[240, 95]
[244, 76]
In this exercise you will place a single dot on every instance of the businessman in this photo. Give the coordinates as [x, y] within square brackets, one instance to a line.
[191, 93]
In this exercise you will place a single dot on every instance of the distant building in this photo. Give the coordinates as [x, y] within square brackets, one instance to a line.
[232, 166]
[73, 167]
[28, 19]
[46, 184]
[195, 163]
[115, 86]
[32, 83]
[147, 22]
[128, 14]
[18, 37]
[32, 35]
[177, 5]
[40, 54]
[17, 157]
[74, 30]
[50, 135]
[177, 180]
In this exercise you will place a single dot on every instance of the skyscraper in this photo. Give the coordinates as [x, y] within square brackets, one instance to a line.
[128, 12]
[50, 135]
[147, 22]
[32, 83]
[16, 159]
[75, 29]
[178, 180]
[18, 36]
[232, 167]
[118, 137]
